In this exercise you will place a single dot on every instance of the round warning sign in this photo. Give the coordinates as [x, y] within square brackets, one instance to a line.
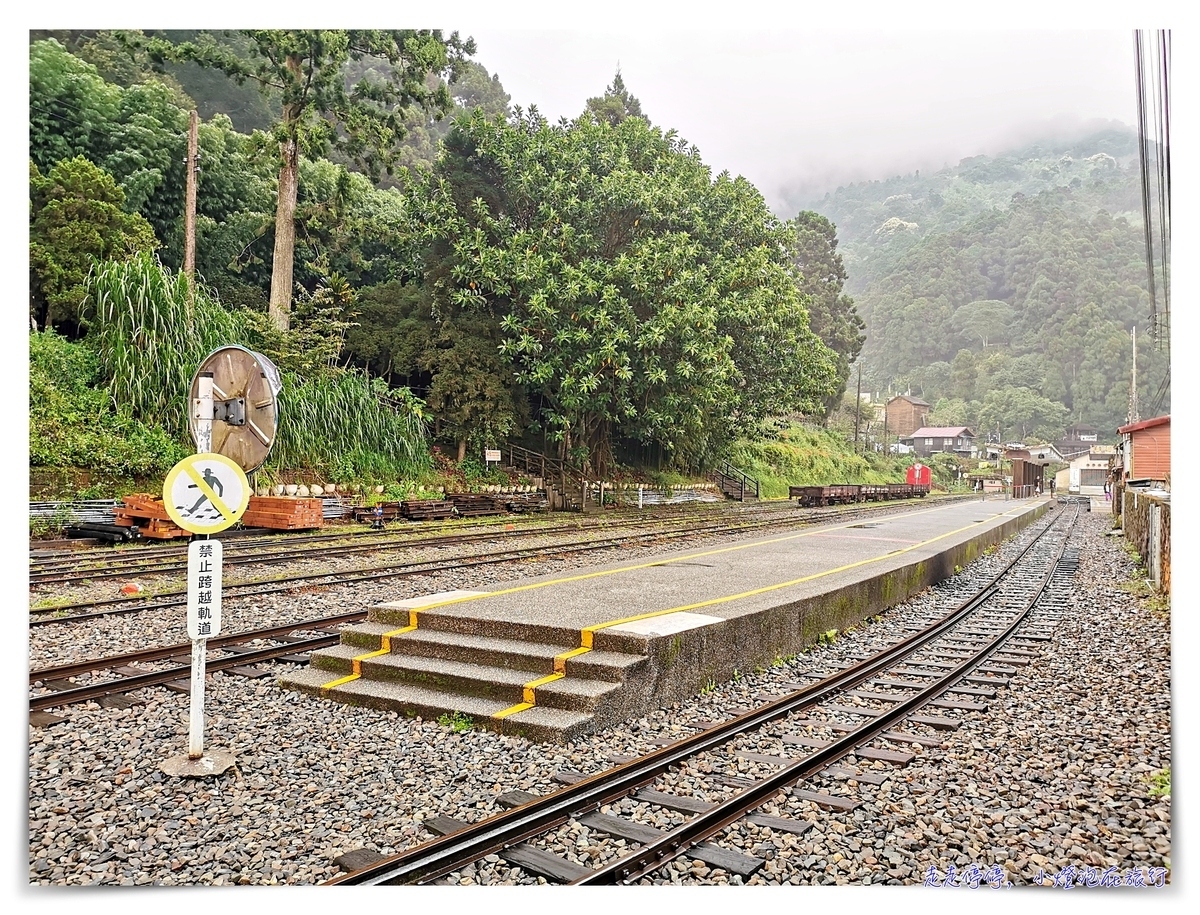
[206, 493]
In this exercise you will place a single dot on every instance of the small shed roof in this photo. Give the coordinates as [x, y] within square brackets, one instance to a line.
[1145, 424]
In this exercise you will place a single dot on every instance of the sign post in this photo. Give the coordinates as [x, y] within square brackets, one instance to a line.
[203, 623]
[204, 494]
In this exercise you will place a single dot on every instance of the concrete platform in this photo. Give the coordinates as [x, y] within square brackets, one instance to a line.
[558, 656]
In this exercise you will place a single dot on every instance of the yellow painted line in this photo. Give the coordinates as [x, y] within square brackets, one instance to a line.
[530, 687]
[662, 562]
[560, 660]
[586, 634]
[227, 513]
[528, 698]
[385, 642]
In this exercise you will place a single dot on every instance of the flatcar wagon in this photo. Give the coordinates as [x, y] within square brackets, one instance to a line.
[836, 494]
[846, 493]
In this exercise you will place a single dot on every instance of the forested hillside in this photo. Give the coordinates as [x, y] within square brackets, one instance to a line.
[1004, 290]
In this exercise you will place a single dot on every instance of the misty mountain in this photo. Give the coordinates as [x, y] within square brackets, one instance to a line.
[1006, 287]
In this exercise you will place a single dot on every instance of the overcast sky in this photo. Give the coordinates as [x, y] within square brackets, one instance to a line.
[799, 111]
[796, 98]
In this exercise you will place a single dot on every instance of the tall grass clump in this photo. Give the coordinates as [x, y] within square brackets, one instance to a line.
[340, 425]
[151, 335]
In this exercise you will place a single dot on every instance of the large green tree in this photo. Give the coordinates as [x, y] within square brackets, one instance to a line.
[77, 219]
[306, 69]
[831, 313]
[637, 295]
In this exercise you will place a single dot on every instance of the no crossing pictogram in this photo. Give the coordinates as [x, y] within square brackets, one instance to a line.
[206, 493]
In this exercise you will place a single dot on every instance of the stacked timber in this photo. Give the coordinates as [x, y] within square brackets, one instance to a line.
[145, 512]
[283, 513]
[388, 511]
[474, 504]
[427, 509]
[527, 502]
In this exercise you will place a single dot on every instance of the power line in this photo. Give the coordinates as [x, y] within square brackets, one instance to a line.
[1154, 127]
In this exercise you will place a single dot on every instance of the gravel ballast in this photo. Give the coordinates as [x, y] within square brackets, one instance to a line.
[1058, 772]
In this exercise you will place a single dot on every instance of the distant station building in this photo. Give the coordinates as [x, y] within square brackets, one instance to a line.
[1077, 441]
[905, 414]
[929, 440]
[1087, 473]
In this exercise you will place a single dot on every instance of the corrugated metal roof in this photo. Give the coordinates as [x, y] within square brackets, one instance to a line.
[941, 432]
[1145, 424]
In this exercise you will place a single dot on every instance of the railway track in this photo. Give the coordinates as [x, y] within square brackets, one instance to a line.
[99, 564]
[236, 652]
[400, 531]
[871, 712]
[67, 612]
[176, 562]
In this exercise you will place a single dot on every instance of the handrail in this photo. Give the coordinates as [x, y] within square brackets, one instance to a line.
[535, 462]
[747, 482]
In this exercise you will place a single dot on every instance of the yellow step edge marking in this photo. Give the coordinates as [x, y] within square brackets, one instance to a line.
[530, 687]
[586, 634]
[528, 696]
[513, 709]
[385, 642]
[560, 660]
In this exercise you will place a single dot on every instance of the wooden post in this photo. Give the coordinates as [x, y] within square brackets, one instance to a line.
[857, 408]
[192, 167]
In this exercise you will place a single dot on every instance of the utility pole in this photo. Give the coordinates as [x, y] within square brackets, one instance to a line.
[192, 167]
[1133, 398]
[857, 408]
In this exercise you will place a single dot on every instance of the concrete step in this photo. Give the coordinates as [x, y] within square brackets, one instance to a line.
[464, 678]
[538, 723]
[527, 654]
[512, 654]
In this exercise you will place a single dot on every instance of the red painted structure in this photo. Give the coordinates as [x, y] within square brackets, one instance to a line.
[919, 475]
[1147, 447]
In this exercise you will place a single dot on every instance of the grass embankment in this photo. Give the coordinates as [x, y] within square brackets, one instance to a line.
[798, 456]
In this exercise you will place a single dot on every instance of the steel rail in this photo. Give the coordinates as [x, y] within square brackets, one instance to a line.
[399, 570]
[181, 672]
[655, 854]
[66, 671]
[284, 538]
[281, 545]
[442, 855]
[68, 572]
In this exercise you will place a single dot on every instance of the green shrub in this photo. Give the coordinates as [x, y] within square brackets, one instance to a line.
[798, 456]
[74, 424]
